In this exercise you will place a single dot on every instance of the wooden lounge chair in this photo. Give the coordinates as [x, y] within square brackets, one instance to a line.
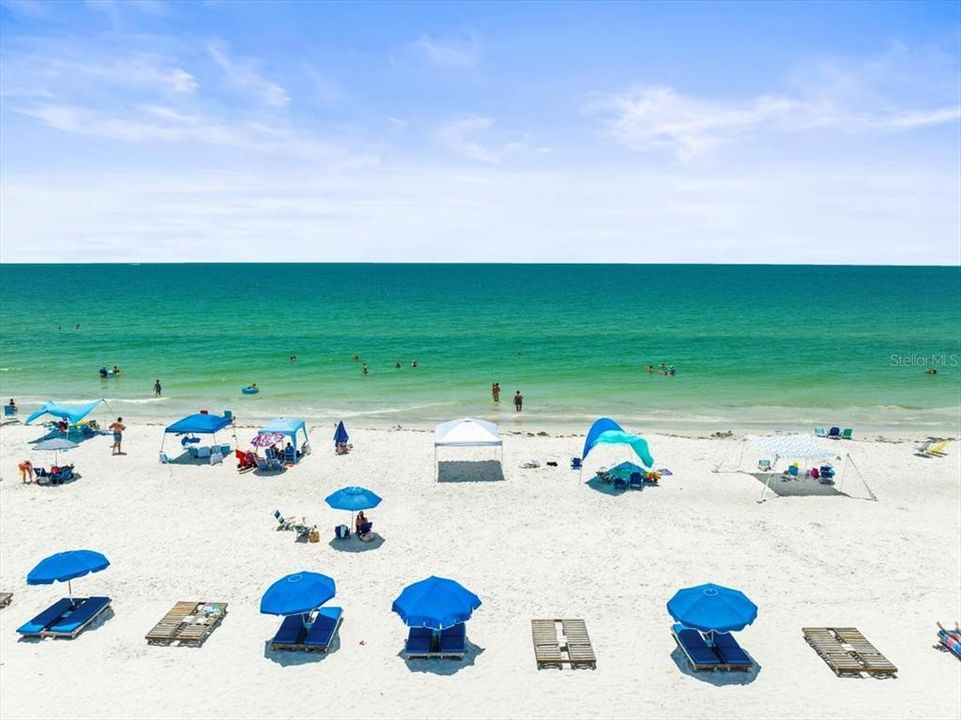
[547, 650]
[874, 662]
[847, 652]
[572, 648]
[5, 599]
[187, 623]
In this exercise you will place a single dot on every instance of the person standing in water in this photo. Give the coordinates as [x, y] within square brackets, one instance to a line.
[518, 401]
[496, 392]
[157, 390]
[365, 371]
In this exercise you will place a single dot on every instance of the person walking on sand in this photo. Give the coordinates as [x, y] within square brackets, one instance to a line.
[518, 401]
[117, 428]
[496, 392]
[156, 387]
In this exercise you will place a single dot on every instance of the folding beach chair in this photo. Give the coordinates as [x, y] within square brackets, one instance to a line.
[834, 433]
[820, 432]
[847, 433]
[575, 463]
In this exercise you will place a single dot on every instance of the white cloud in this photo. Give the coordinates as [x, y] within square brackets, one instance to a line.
[467, 136]
[449, 52]
[245, 73]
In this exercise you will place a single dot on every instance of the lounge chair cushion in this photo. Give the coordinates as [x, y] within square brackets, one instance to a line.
[290, 630]
[419, 641]
[693, 644]
[453, 639]
[325, 625]
[729, 651]
[73, 621]
[46, 618]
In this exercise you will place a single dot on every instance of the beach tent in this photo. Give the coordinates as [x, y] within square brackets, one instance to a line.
[289, 427]
[605, 431]
[72, 413]
[467, 432]
[800, 447]
[199, 424]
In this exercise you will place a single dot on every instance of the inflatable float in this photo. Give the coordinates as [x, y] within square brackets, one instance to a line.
[250, 390]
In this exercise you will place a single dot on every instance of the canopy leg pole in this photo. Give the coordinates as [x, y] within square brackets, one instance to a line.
[844, 472]
[760, 498]
[863, 481]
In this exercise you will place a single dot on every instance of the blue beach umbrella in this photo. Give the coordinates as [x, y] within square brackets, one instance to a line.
[298, 593]
[353, 499]
[435, 603]
[712, 608]
[340, 434]
[65, 566]
[56, 445]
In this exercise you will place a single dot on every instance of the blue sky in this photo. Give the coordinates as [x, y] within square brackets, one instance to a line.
[655, 132]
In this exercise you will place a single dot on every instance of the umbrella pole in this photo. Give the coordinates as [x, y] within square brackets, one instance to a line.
[70, 591]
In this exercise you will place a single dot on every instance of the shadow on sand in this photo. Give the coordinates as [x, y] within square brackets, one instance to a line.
[352, 544]
[470, 471]
[718, 678]
[287, 658]
[443, 666]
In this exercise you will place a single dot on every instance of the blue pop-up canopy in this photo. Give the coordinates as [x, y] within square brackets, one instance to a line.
[286, 426]
[73, 413]
[199, 423]
[607, 432]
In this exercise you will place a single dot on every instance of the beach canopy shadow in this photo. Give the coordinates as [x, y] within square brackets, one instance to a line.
[787, 486]
[442, 666]
[607, 488]
[718, 678]
[353, 545]
[470, 471]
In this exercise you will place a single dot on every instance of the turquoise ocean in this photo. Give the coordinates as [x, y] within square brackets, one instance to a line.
[758, 347]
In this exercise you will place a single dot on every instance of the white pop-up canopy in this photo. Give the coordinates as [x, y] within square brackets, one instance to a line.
[466, 432]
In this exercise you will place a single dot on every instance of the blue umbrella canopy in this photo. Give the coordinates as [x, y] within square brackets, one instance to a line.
[712, 607]
[297, 593]
[353, 499]
[55, 444]
[340, 434]
[435, 603]
[65, 566]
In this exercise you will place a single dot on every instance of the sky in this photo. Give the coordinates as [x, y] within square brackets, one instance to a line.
[148, 131]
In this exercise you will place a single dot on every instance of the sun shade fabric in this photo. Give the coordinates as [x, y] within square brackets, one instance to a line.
[791, 446]
[298, 593]
[712, 607]
[435, 603]
[66, 566]
[607, 432]
[600, 425]
[199, 423]
[466, 432]
[73, 413]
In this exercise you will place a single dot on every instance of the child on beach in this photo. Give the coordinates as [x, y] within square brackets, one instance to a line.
[26, 470]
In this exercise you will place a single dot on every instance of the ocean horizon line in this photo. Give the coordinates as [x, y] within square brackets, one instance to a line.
[456, 263]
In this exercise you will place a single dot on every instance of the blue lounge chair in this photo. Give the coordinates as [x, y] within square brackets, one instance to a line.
[419, 641]
[290, 455]
[33, 628]
[698, 653]
[453, 641]
[9, 410]
[834, 433]
[731, 654]
[75, 621]
[322, 632]
[637, 481]
[290, 634]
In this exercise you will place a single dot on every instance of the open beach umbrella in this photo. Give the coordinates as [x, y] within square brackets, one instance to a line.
[712, 608]
[340, 434]
[353, 499]
[435, 603]
[65, 566]
[262, 440]
[56, 445]
[297, 594]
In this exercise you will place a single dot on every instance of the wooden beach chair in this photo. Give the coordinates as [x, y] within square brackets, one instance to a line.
[874, 662]
[547, 650]
[579, 648]
[187, 623]
[5, 599]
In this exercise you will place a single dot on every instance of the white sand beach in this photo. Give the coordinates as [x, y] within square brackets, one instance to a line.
[537, 544]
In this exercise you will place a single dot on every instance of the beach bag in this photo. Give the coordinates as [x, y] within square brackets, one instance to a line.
[342, 531]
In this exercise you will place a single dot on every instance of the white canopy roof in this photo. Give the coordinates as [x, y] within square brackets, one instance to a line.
[791, 446]
[466, 432]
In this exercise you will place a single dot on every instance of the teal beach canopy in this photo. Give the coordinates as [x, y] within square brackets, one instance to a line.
[73, 413]
[607, 432]
[199, 423]
[286, 426]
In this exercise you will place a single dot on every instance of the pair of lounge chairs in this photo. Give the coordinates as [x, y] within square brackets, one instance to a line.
[936, 448]
[723, 653]
[425, 643]
[283, 523]
[66, 618]
[298, 632]
[571, 647]
[834, 433]
[188, 623]
[269, 464]
[847, 652]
